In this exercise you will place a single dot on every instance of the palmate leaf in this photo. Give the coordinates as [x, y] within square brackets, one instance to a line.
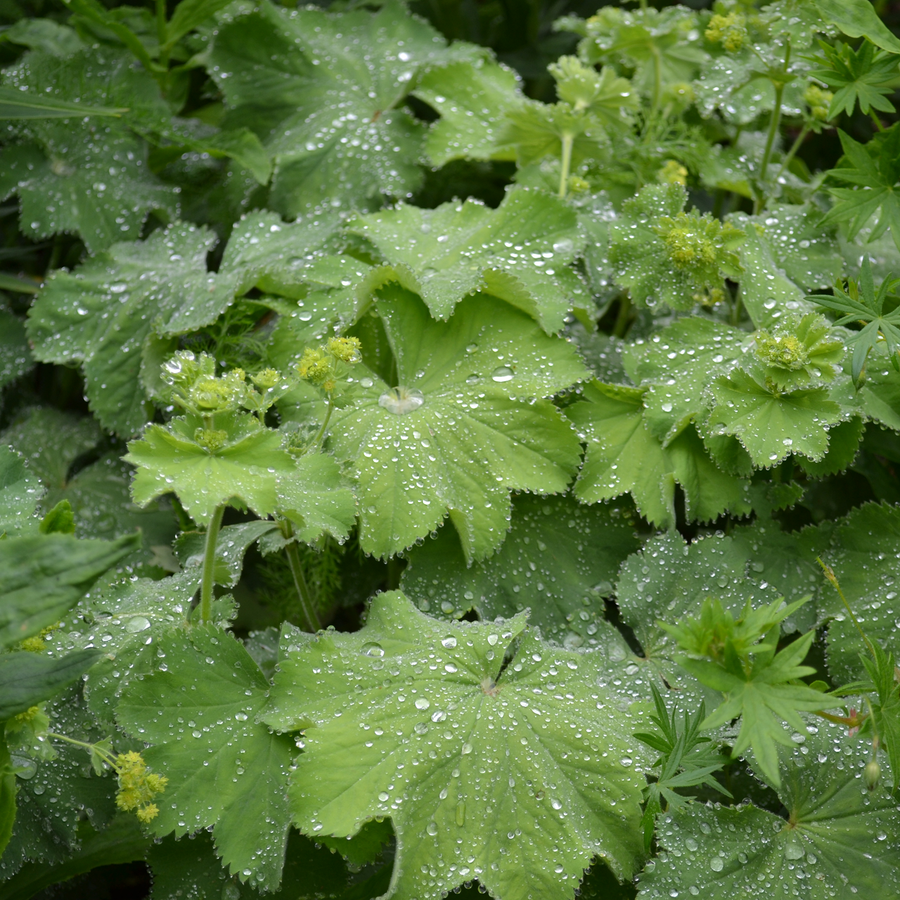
[85, 175]
[472, 99]
[670, 580]
[625, 456]
[519, 252]
[770, 424]
[874, 169]
[865, 563]
[858, 18]
[245, 466]
[224, 770]
[838, 840]
[462, 427]
[20, 492]
[862, 76]
[437, 734]
[558, 560]
[106, 313]
[325, 93]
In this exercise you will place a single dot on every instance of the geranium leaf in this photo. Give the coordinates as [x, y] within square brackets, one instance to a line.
[82, 174]
[105, 313]
[558, 560]
[224, 770]
[423, 750]
[283, 76]
[519, 252]
[461, 402]
[857, 18]
[245, 466]
[472, 99]
[832, 843]
[20, 492]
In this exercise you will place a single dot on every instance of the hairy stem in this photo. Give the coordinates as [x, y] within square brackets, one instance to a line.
[311, 620]
[107, 757]
[209, 563]
[829, 574]
[321, 434]
[773, 130]
[624, 317]
[162, 33]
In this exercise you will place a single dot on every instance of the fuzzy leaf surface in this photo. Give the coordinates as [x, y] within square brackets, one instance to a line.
[325, 93]
[519, 252]
[558, 559]
[412, 462]
[454, 743]
[105, 313]
[224, 769]
[839, 840]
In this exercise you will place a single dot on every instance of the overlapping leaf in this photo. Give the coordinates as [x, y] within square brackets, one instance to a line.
[558, 561]
[460, 404]
[625, 456]
[105, 313]
[440, 736]
[519, 252]
[838, 840]
[225, 771]
[85, 175]
[325, 93]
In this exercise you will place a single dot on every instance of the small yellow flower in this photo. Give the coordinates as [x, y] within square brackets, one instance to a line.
[137, 786]
[346, 349]
[819, 101]
[672, 173]
[730, 31]
[314, 366]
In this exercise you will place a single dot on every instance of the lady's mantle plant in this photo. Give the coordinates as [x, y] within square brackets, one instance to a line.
[571, 408]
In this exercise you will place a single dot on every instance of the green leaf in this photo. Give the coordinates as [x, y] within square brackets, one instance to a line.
[862, 77]
[239, 144]
[83, 174]
[624, 456]
[224, 770]
[558, 560]
[316, 498]
[43, 34]
[18, 104]
[863, 560]
[106, 312]
[519, 252]
[188, 15]
[7, 796]
[169, 458]
[126, 620]
[472, 99]
[521, 741]
[43, 576]
[670, 580]
[58, 793]
[461, 429]
[678, 363]
[121, 842]
[538, 130]
[59, 520]
[20, 492]
[664, 255]
[857, 18]
[770, 424]
[28, 678]
[232, 544]
[873, 169]
[760, 685]
[832, 842]
[885, 706]
[284, 75]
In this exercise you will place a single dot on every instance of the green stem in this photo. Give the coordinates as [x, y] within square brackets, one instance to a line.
[792, 152]
[622, 319]
[209, 563]
[568, 139]
[650, 121]
[162, 33]
[829, 574]
[877, 122]
[307, 604]
[108, 758]
[773, 130]
[318, 439]
[736, 308]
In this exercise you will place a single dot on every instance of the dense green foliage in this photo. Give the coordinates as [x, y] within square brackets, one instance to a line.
[441, 451]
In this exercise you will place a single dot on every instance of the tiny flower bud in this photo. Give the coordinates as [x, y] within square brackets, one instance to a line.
[872, 774]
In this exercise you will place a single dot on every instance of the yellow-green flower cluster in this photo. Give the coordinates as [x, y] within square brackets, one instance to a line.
[138, 786]
[696, 242]
[321, 366]
[819, 101]
[729, 30]
[672, 173]
[799, 352]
